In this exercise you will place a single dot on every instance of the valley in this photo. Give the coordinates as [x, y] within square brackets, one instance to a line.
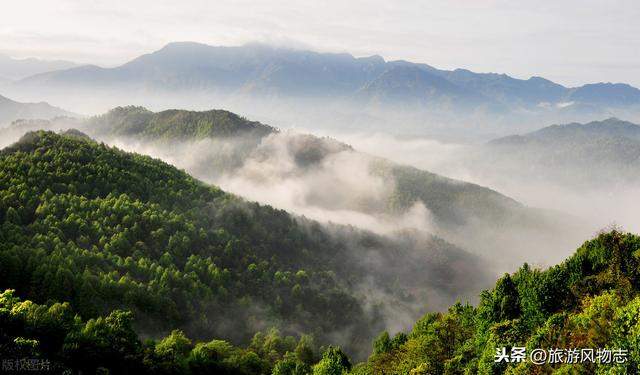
[333, 188]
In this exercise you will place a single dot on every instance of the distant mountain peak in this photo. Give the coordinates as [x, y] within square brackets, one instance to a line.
[11, 110]
[606, 93]
[18, 68]
[259, 70]
[609, 128]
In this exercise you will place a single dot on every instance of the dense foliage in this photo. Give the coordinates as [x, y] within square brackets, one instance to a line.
[99, 247]
[174, 125]
[452, 202]
[102, 229]
[54, 339]
[590, 301]
[217, 144]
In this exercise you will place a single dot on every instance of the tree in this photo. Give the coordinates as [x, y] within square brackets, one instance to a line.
[506, 301]
[382, 343]
[290, 365]
[333, 362]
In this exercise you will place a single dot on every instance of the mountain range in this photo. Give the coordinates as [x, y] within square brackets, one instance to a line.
[107, 229]
[14, 69]
[595, 154]
[11, 110]
[326, 179]
[101, 249]
[259, 70]
[611, 127]
[92, 229]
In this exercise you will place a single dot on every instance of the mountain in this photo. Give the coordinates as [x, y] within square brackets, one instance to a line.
[508, 90]
[611, 128]
[599, 153]
[589, 302]
[327, 180]
[251, 68]
[451, 201]
[605, 93]
[15, 69]
[261, 71]
[102, 229]
[410, 85]
[582, 314]
[11, 110]
[175, 125]
[100, 247]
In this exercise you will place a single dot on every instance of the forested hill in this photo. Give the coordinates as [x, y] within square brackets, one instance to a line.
[219, 146]
[491, 222]
[174, 125]
[450, 200]
[590, 301]
[574, 132]
[103, 229]
[598, 154]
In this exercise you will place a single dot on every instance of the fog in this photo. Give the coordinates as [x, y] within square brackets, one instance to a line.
[327, 180]
[598, 203]
[352, 180]
[319, 114]
[338, 188]
[409, 271]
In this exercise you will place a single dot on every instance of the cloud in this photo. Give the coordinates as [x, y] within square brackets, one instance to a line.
[522, 38]
[339, 187]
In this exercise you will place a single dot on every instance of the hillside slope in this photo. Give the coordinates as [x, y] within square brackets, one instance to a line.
[103, 229]
[174, 125]
[595, 154]
[590, 301]
[11, 110]
[330, 181]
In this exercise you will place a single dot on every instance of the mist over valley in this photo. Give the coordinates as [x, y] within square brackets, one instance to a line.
[269, 208]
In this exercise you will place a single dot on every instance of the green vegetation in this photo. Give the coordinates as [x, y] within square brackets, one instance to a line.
[60, 340]
[591, 300]
[103, 230]
[454, 203]
[456, 206]
[174, 125]
[99, 248]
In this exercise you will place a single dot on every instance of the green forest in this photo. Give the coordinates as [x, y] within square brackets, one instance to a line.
[172, 125]
[590, 301]
[112, 262]
[103, 229]
[452, 202]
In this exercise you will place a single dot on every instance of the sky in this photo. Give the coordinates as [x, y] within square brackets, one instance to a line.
[568, 41]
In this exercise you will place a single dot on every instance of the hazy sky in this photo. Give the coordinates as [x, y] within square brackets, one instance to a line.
[569, 41]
